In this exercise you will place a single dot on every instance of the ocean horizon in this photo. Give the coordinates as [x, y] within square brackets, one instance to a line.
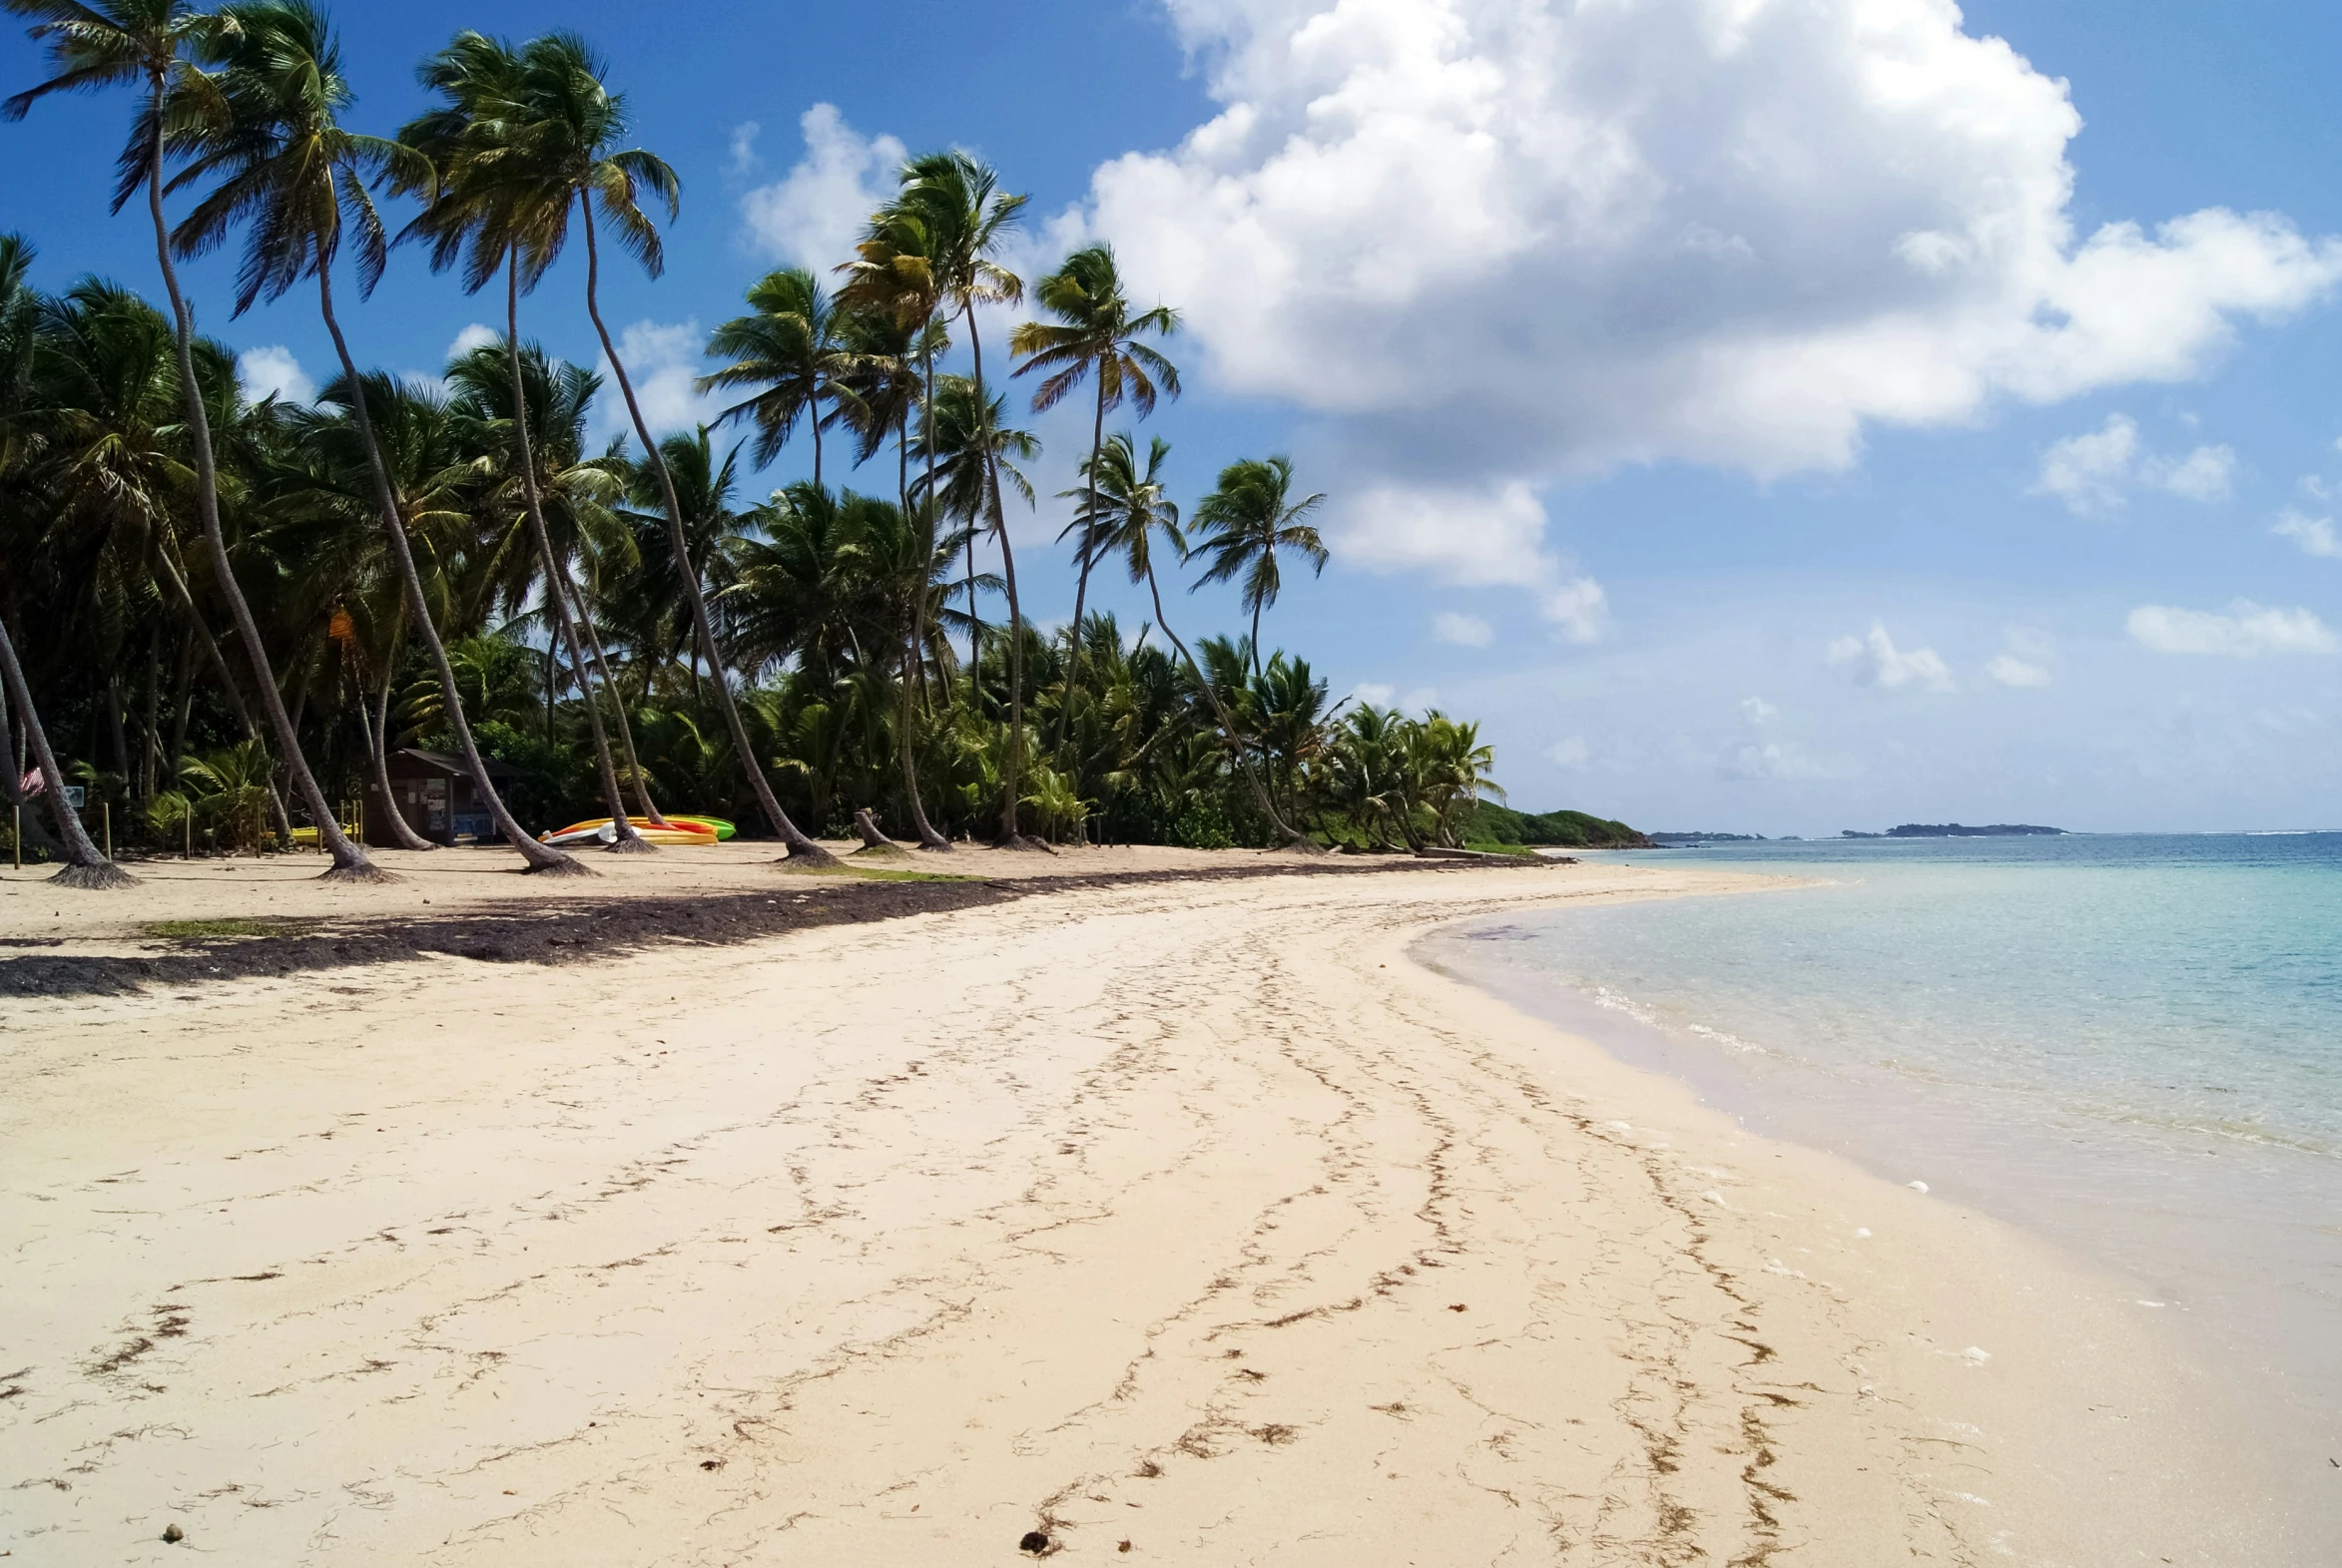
[2129, 1043]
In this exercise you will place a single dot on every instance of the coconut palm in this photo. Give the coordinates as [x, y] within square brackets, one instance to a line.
[493, 208]
[571, 125]
[1250, 516]
[1132, 508]
[147, 44]
[935, 244]
[1095, 337]
[283, 167]
[793, 352]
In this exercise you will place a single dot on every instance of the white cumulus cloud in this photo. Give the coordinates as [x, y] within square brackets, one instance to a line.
[1477, 537]
[273, 371]
[1571, 753]
[812, 214]
[477, 336]
[661, 360]
[2315, 535]
[2097, 470]
[2010, 670]
[2246, 630]
[1530, 241]
[1876, 661]
[1466, 631]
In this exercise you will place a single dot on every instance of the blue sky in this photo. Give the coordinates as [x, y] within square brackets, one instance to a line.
[1741, 409]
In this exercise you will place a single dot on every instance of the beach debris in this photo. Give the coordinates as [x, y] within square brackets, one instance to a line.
[173, 1534]
[1122, 1546]
[1917, 1187]
[1455, 1306]
[711, 1464]
[1034, 1542]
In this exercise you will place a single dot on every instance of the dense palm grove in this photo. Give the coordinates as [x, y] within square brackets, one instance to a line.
[222, 616]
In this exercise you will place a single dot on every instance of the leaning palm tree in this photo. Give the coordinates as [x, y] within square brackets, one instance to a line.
[1132, 508]
[96, 44]
[1250, 516]
[287, 170]
[489, 209]
[1095, 337]
[571, 124]
[938, 240]
[85, 867]
[794, 354]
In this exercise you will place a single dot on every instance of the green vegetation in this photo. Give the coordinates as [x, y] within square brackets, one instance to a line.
[1496, 826]
[233, 611]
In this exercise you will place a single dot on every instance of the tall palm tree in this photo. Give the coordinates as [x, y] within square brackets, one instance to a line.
[85, 867]
[1095, 337]
[1133, 508]
[491, 201]
[571, 124]
[97, 44]
[296, 179]
[1250, 516]
[793, 352]
[938, 240]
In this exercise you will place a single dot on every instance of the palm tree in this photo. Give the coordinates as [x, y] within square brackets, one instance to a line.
[571, 124]
[83, 866]
[1131, 508]
[1250, 516]
[298, 181]
[1097, 337]
[492, 197]
[937, 241]
[96, 44]
[793, 352]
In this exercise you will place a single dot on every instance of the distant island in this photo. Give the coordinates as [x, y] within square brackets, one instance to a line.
[1956, 830]
[1680, 839]
[1500, 826]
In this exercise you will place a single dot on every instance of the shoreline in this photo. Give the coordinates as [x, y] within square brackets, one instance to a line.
[1189, 1213]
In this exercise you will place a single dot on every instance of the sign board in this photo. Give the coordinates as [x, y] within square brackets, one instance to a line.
[76, 797]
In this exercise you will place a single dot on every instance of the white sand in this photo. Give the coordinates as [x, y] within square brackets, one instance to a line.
[1191, 1216]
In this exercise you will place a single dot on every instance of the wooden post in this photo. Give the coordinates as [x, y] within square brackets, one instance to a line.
[106, 815]
[16, 832]
[187, 832]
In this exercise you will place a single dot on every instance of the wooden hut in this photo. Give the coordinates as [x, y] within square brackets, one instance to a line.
[434, 792]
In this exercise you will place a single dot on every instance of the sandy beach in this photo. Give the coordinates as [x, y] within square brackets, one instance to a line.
[1184, 1220]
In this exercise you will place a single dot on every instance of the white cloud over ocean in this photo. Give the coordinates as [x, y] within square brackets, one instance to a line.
[2246, 630]
[2097, 470]
[1497, 243]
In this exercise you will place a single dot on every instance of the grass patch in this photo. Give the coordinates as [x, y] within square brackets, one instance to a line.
[215, 931]
[873, 873]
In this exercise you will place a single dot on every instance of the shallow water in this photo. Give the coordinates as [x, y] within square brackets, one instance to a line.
[2129, 1043]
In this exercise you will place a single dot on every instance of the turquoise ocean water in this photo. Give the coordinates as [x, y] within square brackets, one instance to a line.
[2131, 1044]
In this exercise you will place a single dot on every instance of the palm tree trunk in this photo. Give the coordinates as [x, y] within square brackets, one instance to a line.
[83, 866]
[1256, 638]
[912, 666]
[800, 847]
[817, 413]
[1293, 840]
[1081, 581]
[351, 862]
[625, 840]
[1010, 835]
[634, 766]
[539, 857]
[378, 728]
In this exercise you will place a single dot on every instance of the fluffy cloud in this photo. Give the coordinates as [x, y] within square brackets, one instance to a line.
[2095, 471]
[1876, 661]
[1477, 538]
[1571, 753]
[1466, 631]
[2010, 670]
[661, 360]
[273, 371]
[811, 216]
[2246, 630]
[477, 336]
[2315, 535]
[1518, 239]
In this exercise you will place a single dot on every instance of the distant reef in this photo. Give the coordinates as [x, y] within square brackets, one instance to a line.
[1490, 823]
[1956, 830]
[1707, 838]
